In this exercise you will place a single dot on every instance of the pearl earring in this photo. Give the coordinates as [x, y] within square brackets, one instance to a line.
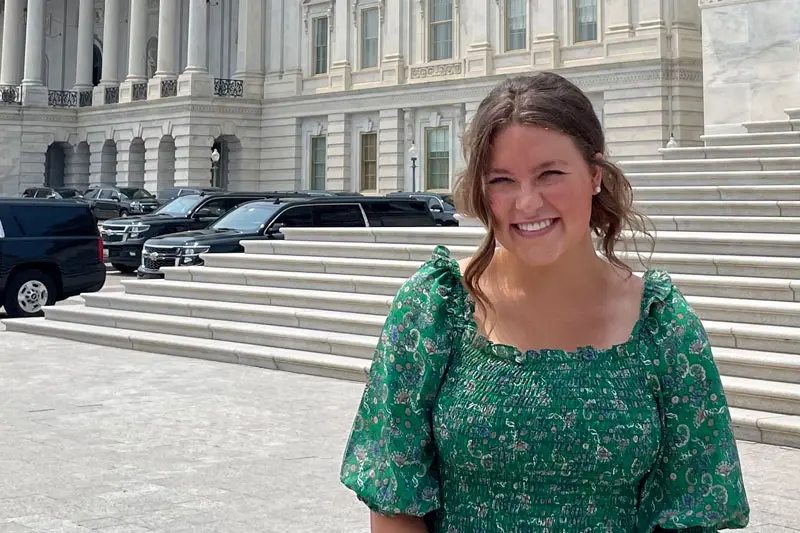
[597, 189]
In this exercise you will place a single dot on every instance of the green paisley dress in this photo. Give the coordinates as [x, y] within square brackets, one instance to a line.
[480, 437]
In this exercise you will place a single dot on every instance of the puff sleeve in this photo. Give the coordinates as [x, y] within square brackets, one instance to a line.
[390, 458]
[696, 486]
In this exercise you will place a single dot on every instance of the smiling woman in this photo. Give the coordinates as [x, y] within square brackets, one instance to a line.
[539, 386]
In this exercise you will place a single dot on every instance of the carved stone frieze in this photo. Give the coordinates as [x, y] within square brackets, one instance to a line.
[435, 71]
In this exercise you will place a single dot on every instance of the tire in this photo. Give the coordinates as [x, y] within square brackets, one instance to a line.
[28, 292]
[123, 213]
[125, 269]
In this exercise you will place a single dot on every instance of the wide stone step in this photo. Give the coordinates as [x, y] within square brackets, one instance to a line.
[736, 224]
[389, 241]
[769, 366]
[313, 363]
[293, 317]
[726, 164]
[307, 340]
[276, 296]
[760, 395]
[716, 152]
[746, 311]
[727, 265]
[753, 336]
[672, 176]
[779, 193]
[738, 208]
[742, 139]
[772, 126]
[767, 426]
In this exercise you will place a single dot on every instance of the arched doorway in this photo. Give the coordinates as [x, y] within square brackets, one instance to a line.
[228, 147]
[97, 65]
[55, 164]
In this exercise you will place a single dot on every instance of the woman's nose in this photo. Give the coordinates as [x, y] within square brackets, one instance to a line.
[529, 200]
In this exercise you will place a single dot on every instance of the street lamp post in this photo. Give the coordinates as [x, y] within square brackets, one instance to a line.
[412, 152]
[214, 167]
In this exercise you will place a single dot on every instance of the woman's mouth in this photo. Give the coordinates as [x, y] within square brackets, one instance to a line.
[535, 229]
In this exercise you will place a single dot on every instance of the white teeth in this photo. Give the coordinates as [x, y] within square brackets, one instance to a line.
[536, 226]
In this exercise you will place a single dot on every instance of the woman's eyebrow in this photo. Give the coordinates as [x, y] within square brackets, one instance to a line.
[544, 164]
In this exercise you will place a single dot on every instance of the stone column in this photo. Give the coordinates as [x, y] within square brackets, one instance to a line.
[617, 16]
[11, 69]
[151, 165]
[287, 45]
[195, 80]
[339, 27]
[137, 49]
[31, 160]
[545, 47]
[393, 69]
[168, 35]
[479, 49]
[33, 90]
[249, 57]
[391, 151]
[85, 55]
[652, 24]
[110, 74]
[123, 163]
[96, 163]
[339, 153]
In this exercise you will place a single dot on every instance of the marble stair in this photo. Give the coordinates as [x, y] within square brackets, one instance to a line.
[315, 302]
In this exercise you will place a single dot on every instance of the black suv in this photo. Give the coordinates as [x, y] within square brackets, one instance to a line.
[263, 219]
[124, 237]
[441, 205]
[49, 251]
[113, 202]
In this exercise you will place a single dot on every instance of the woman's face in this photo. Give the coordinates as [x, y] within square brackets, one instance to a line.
[539, 189]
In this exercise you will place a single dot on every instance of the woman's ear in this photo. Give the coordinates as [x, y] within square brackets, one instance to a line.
[597, 174]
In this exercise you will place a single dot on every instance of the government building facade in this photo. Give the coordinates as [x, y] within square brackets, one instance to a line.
[319, 94]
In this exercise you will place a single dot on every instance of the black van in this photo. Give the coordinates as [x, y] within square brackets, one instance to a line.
[50, 250]
[263, 219]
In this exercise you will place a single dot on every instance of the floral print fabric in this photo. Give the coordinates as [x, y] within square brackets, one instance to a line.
[481, 437]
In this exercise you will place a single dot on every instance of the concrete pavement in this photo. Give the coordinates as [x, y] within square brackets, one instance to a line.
[101, 439]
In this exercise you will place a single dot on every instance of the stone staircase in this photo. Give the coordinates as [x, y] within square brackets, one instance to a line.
[727, 219]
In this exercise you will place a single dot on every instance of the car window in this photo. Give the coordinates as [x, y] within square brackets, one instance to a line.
[135, 193]
[54, 221]
[106, 194]
[395, 213]
[68, 193]
[247, 218]
[215, 207]
[296, 217]
[179, 207]
[338, 216]
[168, 194]
[92, 193]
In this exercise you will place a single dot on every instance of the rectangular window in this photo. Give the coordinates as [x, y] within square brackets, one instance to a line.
[441, 30]
[516, 24]
[319, 162]
[369, 162]
[585, 20]
[369, 38]
[437, 158]
[321, 45]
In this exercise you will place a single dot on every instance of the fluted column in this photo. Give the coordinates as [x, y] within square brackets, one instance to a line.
[33, 89]
[85, 55]
[168, 35]
[11, 69]
[110, 75]
[137, 49]
[249, 57]
[195, 79]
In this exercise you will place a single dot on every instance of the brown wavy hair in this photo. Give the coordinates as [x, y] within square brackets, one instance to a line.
[546, 100]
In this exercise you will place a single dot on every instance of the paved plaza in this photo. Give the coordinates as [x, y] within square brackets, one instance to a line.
[102, 439]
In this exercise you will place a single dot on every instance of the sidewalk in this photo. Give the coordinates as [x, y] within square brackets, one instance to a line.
[109, 440]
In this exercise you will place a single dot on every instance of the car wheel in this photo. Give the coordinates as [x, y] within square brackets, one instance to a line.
[28, 293]
[125, 269]
[123, 212]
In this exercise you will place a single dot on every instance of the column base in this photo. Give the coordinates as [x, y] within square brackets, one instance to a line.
[479, 60]
[34, 95]
[126, 90]
[545, 52]
[393, 70]
[195, 84]
[253, 85]
[287, 83]
[154, 89]
[99, 94]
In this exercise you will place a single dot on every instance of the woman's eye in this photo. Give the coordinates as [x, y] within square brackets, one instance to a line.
[551, 173]
[500, 179]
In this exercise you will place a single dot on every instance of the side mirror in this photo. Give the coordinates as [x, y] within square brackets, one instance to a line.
[206, 213]
[275, 228]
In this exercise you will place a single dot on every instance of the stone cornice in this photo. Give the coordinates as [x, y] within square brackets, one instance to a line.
[705, 4]
[590, 79]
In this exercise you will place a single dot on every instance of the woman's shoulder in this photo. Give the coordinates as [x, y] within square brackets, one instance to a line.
[664, 300]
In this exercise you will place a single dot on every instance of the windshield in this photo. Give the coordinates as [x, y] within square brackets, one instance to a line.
[181, 206]
[134, 193]
[447, 200]
[248, 218]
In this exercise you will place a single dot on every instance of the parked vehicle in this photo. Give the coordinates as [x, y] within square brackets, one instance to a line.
[49, 251]
[263, 219]
[57, 193]
[124, 237]
[167, 195]
[441, 205]
[113, 202]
